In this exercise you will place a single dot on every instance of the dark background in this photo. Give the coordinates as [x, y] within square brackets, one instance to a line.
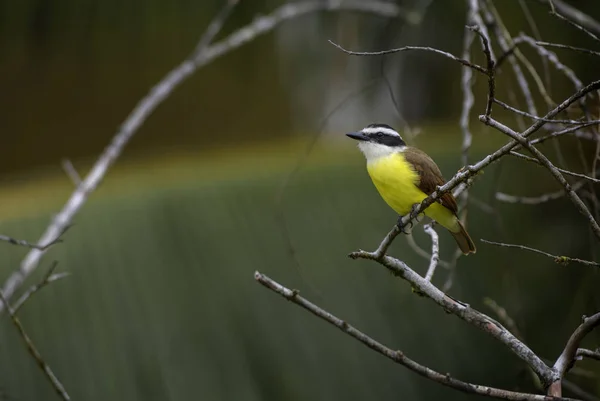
[161, 303]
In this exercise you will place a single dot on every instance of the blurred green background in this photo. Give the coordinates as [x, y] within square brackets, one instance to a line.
[161, 303]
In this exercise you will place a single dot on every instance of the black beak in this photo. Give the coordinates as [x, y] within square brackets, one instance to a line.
[359, 136]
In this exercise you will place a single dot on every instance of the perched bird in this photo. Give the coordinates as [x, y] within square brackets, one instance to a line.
[405, 175]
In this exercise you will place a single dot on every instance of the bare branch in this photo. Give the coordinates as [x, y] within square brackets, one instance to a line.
[199, 58]
[409, 48]
[580, 206]
[463, 311]
[573, 14]
[565, 131]
[48, 278]
[579, 123]
[490, 69]
[435, 250]
[44, 247]
[56, 384]
[574, 23]
[214, 28]
[567, 47]
[567, 358]
[536, 200]
[396, 356]
[567, 172]
[586, 353]
[564, 260]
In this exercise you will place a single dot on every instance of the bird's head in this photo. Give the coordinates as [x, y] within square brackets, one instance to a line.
[378, 140]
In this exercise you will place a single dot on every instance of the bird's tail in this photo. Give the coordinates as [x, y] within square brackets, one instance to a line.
[464, 241]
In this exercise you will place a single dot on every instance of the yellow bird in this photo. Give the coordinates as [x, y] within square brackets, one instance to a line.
[405, 175]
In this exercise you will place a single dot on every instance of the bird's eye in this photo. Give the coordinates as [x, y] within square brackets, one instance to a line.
[379, 135]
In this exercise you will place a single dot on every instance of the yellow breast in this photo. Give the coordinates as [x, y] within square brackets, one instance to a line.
[397, 183]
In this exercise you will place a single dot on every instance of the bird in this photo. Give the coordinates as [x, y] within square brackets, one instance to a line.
[405, 175]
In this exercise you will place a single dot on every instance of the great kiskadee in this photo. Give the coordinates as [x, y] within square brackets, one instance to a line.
[405, 175]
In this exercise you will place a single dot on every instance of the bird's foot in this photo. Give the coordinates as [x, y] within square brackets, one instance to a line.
[401, 225]
[412, 215]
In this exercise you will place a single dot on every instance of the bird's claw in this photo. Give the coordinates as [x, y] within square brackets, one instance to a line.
[413, 212]
[411, 222]
[401, 226]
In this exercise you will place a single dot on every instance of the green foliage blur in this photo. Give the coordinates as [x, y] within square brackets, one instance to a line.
[161, 303]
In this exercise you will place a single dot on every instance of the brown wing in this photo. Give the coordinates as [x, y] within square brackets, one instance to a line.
[430, 176]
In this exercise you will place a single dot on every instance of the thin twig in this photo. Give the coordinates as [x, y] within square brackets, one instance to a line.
[536, 200]
[564, 260]
[570, 130]
[490, 69]
[580, 123]
[435, 251]
[48, 278]
[571, 194]
[572, 22]
[56, 384]
[567, 358]
[162, 91]
[396, 356]
[568, 47]
[567, 172]
[504, 40]
[588, 353]
[71, 172]
[214, 27]
[573, 14]
[409, 48]
[27, 244]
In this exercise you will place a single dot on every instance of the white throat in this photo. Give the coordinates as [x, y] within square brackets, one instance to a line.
[375, 151]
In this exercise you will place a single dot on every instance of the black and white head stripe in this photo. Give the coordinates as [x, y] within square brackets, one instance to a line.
[383, 128]
[383, 134]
